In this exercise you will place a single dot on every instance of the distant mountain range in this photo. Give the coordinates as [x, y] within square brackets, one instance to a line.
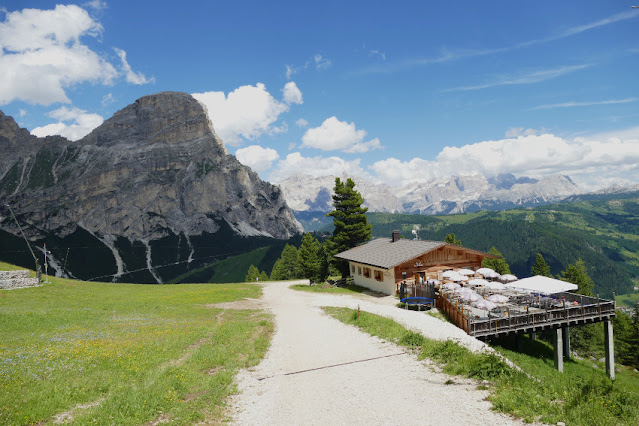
[456, 194]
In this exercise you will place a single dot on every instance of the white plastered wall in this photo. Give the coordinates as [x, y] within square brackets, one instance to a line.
[387, 285]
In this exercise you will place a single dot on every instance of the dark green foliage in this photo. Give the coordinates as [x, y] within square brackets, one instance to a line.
[11, 179]
[541, 267]
[350, 222]
[499, 265]
[626, 332]
[287, 267]
[41, 176]
[312, 259]
[577, 274]
[451, 239]
[602, 233]
[252, 274]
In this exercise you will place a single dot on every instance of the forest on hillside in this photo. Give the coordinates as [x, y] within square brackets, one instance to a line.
[604, 233]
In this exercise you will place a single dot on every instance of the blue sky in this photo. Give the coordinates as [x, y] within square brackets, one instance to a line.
[391, 92]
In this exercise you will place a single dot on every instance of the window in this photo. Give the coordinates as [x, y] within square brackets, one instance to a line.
[359, 270]
[379, 275]
[352, 268]
[367, 272]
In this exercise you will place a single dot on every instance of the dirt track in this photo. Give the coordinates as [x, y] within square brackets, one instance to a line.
[320, 371]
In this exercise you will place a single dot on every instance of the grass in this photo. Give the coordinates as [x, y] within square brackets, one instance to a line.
[141, 352]
[582, 395]
[629, 300]
[348, 289]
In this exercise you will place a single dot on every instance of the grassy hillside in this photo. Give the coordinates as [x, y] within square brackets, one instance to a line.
[130, 354]
[604, 233]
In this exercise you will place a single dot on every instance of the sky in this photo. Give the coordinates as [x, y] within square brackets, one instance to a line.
[394, 92]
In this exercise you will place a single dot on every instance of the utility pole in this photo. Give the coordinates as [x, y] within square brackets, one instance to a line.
[37, 262]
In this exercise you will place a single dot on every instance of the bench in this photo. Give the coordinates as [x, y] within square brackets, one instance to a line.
[419, 301]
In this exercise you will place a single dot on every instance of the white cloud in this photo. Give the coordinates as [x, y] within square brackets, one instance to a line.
[377, 53]
[107, 99]
[513, 132]
[22, 112]
[525, 78]
[589, 161]
[301, 122]
[42, 54]
[292, 94]
[73, 123]
[96, 4]
[338, 135]
[582, 104]
[290, 71]
[257, 158]
[247, 112]
[295, 163]
[130, 75]
[321, 63]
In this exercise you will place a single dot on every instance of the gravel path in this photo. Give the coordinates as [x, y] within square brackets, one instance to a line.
[320, 371]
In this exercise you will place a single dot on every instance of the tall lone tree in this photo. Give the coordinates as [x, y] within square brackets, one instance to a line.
[452, 239]
[349, 218]
[541, 267]
[498, 265]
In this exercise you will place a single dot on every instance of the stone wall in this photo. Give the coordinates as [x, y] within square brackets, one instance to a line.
[17, 279]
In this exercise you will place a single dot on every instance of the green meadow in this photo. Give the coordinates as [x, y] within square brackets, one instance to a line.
[103, 353]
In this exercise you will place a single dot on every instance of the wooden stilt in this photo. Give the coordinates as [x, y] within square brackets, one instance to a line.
[558, 342]
[610, 349]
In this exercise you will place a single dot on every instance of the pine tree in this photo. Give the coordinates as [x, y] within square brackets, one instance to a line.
[541, 267]
[499, 265]
[308, 257]
[452, 239]
[252, 273]
[578, 274]
[287, 266]
[349, 218]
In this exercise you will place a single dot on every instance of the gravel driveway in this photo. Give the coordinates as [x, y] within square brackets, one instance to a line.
[321, 371]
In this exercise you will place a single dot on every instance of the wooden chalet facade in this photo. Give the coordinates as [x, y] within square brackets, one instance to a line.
[381, 264]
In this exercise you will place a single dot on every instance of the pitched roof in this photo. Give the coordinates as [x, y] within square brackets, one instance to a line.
[384, 253]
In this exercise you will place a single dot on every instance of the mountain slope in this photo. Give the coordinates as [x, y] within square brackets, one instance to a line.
[150, 186]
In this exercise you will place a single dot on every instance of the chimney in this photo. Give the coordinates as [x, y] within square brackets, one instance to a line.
[395, 235]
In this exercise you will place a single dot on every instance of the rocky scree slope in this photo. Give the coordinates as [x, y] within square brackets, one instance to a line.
[150, 186]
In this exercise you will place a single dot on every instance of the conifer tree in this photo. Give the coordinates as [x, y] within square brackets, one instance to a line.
[577, 274]
[349, 218]
[452, 239]
[308, 257]
[541, 267]
[499, 265]
[252, 273]
[287, 266]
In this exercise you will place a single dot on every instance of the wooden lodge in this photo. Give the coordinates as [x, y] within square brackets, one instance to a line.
[382, 264]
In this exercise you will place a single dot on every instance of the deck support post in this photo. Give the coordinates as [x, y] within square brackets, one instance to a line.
[610, 349]
[533, 336]
[566, 333]
[558, 342]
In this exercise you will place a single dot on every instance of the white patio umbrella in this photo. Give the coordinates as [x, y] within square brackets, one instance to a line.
[451, 286]
[485, 304]
[508, 278]
[478, 281]
[498, 298]
[492, 275]
[431, 281]
[495, 285]
[466, 272]
[448, 274]
[485, 271]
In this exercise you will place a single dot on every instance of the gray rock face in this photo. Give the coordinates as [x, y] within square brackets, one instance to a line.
[153, 170]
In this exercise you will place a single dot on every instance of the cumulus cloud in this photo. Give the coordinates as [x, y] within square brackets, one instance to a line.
[257, 158]
[73, 123]
[513, 132]
[301, 122]
[589, 161]
[292, 94]
[295, 163]
[130, 75]
[41, 54]
[334, 134]
[247, 112]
